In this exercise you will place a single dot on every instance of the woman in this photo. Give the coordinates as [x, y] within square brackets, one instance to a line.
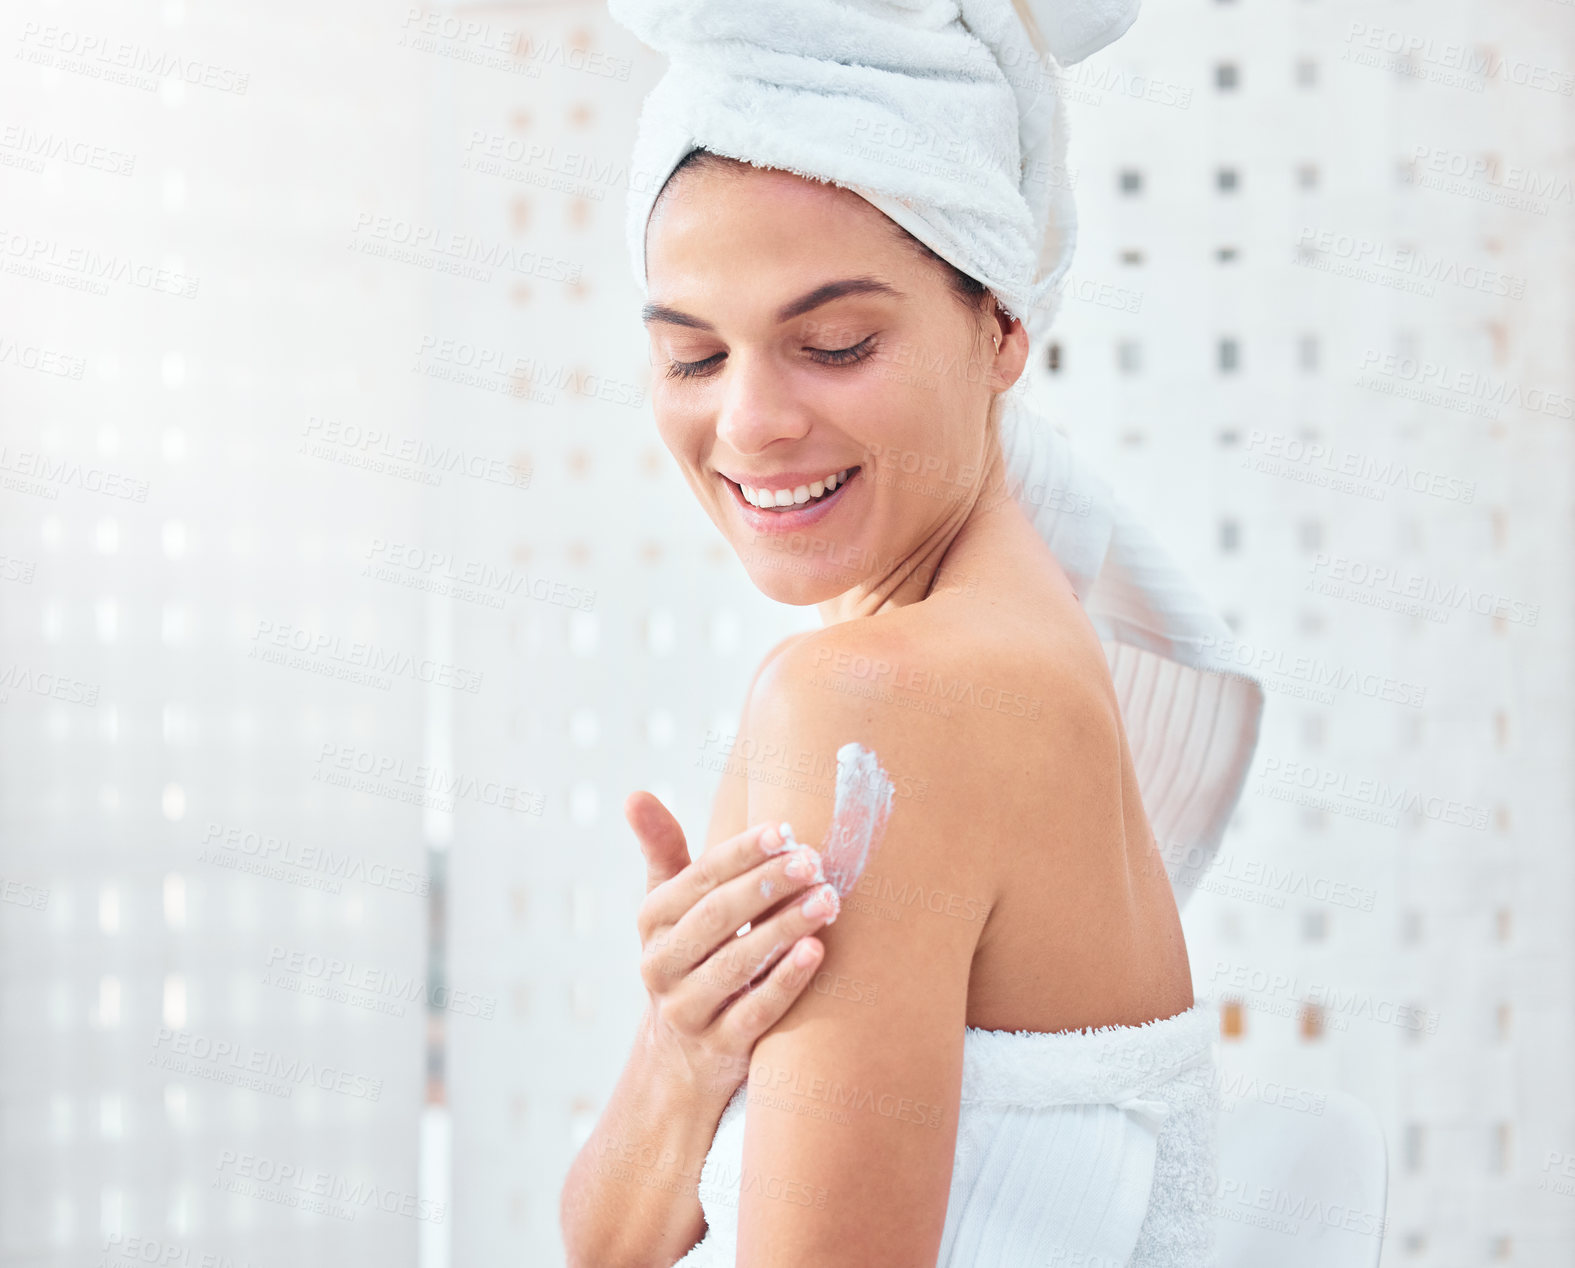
[978, 1043]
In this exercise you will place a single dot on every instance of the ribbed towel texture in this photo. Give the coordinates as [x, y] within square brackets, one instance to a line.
[1092, 1148]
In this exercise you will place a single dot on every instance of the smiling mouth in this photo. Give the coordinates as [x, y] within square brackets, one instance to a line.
[753, 499]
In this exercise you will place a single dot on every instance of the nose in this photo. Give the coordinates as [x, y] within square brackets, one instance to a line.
[758, 406]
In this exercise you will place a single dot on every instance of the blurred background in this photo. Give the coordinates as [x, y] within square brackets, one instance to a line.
[346, 590]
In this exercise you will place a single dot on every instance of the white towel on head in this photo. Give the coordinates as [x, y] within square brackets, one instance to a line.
[940, 113]
[1075, 31]
[943, 115]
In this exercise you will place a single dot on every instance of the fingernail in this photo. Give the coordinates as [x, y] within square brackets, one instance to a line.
[786, 829]
[823, 902]
[771, 841]
[805, 955]
[805, 865]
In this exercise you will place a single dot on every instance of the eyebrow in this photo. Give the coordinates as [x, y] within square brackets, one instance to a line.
[797, 308]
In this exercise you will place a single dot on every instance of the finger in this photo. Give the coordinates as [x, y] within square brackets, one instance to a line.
[758, 1009]
[661, 837]
[712, 920]
[743, 962]
[667, 903]
[672, 951]
[709, 987]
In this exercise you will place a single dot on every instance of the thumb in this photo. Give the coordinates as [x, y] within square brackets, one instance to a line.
[661, 837]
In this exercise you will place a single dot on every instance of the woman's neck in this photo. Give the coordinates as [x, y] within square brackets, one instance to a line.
[941, 560]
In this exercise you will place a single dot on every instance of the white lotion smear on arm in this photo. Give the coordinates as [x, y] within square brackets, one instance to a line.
[858, 821]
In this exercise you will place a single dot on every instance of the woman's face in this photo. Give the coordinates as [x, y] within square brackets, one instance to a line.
[796, 337]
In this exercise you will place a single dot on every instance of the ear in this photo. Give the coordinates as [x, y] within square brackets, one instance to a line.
[1010, 340]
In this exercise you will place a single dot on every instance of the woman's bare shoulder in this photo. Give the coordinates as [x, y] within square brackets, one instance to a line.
[1006, 752]
[1001, 727]
[1008, 717]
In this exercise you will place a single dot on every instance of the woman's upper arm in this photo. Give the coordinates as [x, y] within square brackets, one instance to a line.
[853, 1095]
[730, 805]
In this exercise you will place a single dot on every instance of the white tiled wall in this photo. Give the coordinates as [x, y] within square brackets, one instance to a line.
[181, 1071]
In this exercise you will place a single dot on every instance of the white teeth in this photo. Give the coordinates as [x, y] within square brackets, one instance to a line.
[767, 498]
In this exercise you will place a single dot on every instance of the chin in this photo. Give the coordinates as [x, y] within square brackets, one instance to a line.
[799, 580]
[799, 560]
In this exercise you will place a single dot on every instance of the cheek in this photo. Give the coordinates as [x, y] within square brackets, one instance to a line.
[914, 427]
[682, 428]
[901, 409]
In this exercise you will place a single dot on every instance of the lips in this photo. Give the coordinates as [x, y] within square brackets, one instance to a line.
[787, 519]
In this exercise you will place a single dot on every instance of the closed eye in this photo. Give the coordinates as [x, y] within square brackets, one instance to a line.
[844, 356]
[688, 369]
[826, 356]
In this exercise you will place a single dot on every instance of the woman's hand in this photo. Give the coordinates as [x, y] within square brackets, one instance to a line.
[714, 993]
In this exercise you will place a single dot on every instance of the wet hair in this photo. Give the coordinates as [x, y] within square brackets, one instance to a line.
[967, 290]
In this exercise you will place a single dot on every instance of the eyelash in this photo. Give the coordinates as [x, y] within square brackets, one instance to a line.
[832, 356]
